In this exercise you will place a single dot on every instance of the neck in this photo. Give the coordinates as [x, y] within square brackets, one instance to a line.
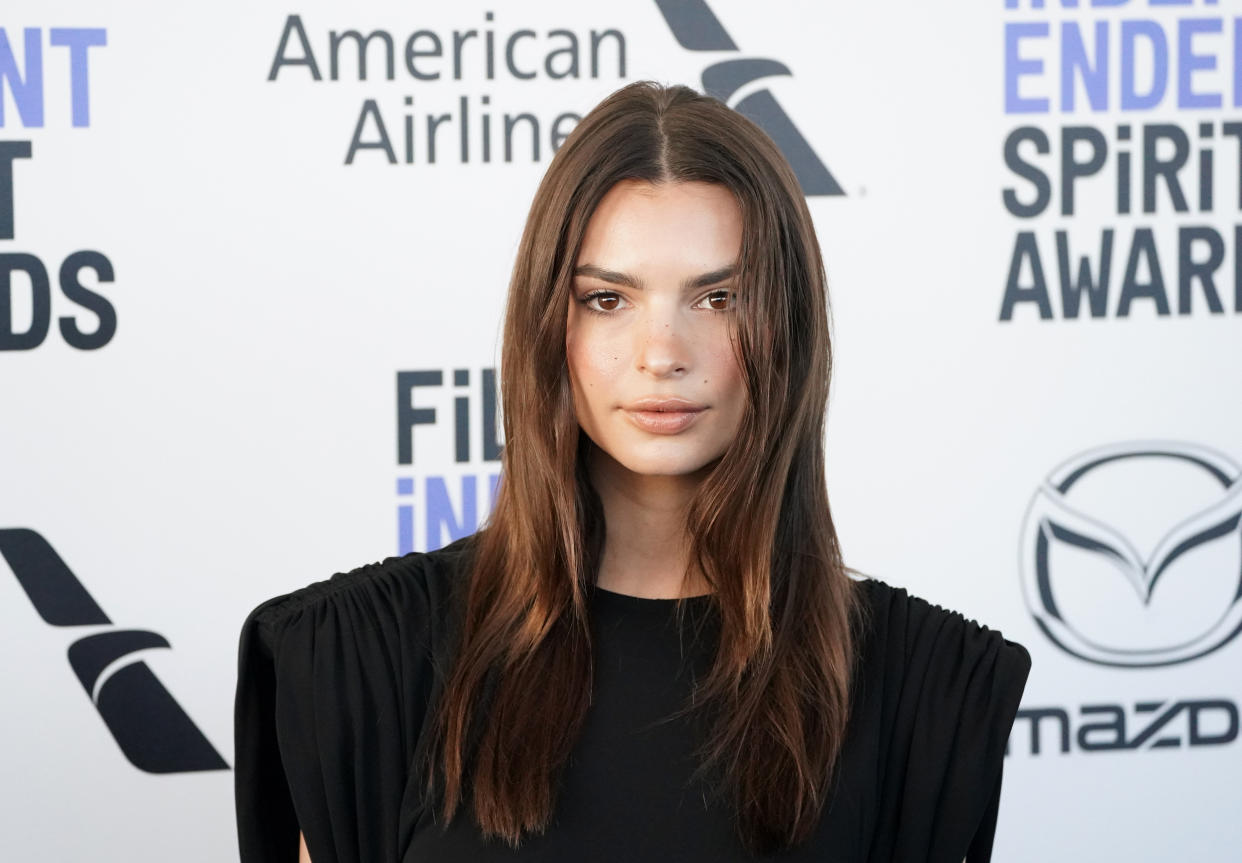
[646, 549]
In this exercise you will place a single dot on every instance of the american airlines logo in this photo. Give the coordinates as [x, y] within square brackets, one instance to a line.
[432, 98]
[1132, 554]
[150, 727]
[696, 28]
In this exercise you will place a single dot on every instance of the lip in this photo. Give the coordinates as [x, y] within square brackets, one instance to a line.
[664, 403]
[663, 415]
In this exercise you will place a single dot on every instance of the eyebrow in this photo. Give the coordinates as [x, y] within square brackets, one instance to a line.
[617, 278]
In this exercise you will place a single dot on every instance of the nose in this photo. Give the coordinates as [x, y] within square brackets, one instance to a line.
[663, 349]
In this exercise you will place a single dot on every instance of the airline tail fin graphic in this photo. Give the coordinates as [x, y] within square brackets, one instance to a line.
[153, 731]
[696, 28]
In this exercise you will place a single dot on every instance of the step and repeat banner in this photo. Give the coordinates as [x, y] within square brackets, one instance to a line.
[253, 261]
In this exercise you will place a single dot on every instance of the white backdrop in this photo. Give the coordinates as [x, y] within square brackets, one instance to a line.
[1071, 480]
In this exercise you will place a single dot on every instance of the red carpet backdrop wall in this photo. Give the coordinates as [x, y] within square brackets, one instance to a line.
[252, 268]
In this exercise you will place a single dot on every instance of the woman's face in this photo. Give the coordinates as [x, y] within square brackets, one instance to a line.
[655, 381]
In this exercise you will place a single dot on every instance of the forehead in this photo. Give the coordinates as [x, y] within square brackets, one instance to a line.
[645, 227]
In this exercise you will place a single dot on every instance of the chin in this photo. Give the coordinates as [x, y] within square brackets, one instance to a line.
[666, 464]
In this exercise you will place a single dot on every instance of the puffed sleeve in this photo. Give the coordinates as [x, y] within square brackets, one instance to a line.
[332, 684]
[952, 689]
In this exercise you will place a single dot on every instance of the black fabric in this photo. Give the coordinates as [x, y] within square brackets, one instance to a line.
[335, 682]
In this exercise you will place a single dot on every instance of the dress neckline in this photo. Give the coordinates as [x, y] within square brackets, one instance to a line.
[601, 596]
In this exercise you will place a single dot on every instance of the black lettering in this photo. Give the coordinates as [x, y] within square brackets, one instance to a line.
[1159, 722]
[334, 45]
[40, 303]
[1108, 733]
[510, 122]
[71, 286]
[1188, 269]
[1025, 248]
[1234, 130]
[1097, 292]
[1154, 167]
[1123, 183]
[9, 150]
[558, 137]
[1197, 708]
[1131, 288]
[1027, 171]
[597, 38]
[509, 43]
[433, 123]
[459, 39]
[383, 142]
[570, 50]
[1037, 715]
[461, 415]
[293, 26]
[412, 53]
[1237, 270]
[1071, 168]
[1114, 729]
[409, 416]
[1206, 174]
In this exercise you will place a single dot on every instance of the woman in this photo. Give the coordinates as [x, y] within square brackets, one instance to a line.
[653, 651]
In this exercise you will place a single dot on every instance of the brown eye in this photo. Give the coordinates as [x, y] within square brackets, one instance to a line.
[601, 302]
[719, 300]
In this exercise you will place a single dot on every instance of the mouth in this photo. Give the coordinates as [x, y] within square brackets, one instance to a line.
[663, 416]
[664, 404]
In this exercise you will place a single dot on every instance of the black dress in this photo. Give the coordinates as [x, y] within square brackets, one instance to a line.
[335, 680]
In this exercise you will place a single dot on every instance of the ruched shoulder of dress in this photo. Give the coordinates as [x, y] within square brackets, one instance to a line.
[945, 691]
[334, 682]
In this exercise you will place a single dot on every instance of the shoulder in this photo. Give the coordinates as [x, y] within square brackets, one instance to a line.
[418, 587]
[939, 695]
[333, 687]
[915, 632]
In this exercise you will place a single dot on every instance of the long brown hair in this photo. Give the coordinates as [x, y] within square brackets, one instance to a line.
[760, 529]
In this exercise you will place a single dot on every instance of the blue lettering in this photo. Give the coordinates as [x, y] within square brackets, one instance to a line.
[1102, 4]
[27, 89]
[443, 523]
[1131, 32]
[79, 40]
[1188, 62]
[440, 511]
[405, 516]
[405, 529]
[1074, 56]
[1017, 66]
[1237, 63]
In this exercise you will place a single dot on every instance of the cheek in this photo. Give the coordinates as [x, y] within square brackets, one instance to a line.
[729, 389]
[594, 364]
[726, 373]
